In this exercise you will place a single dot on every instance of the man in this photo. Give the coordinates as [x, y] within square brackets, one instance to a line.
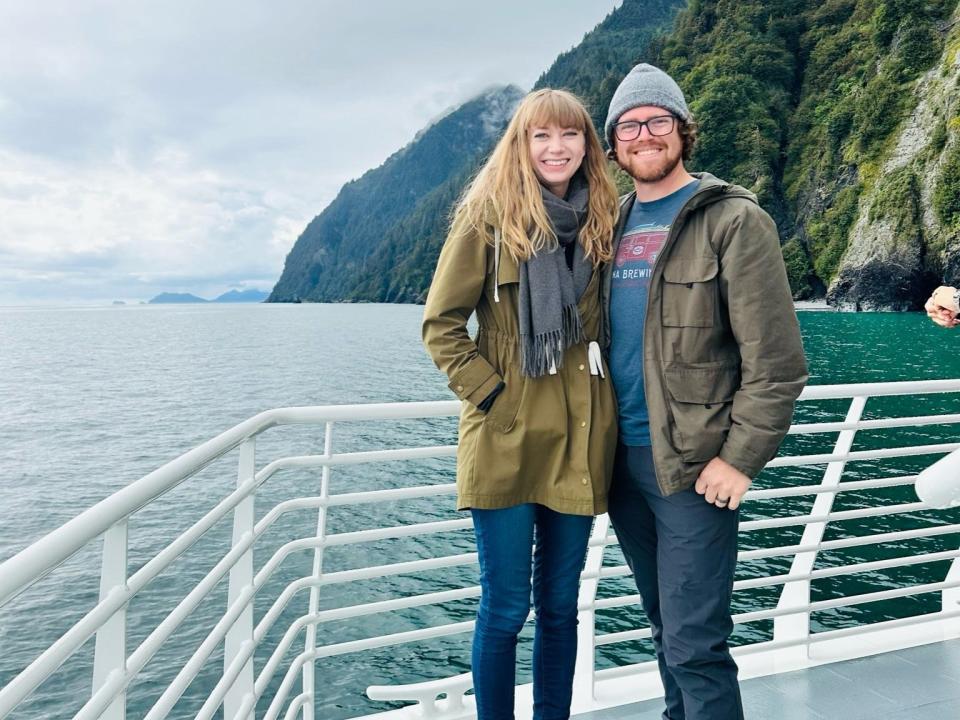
[706, 359]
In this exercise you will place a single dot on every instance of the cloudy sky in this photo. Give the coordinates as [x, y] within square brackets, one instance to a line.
[182, 145]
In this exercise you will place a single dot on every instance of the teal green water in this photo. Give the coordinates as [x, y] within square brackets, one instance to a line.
[847, 348]
[95, 398]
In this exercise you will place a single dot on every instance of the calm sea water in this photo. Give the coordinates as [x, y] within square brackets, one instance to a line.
[94, 398]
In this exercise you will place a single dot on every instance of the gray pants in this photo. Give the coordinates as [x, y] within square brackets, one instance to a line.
[683, 552]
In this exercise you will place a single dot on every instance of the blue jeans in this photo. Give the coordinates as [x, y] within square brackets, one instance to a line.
[683, 552]
[504, 541]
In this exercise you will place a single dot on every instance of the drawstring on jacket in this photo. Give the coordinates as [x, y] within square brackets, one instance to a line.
[496, 264]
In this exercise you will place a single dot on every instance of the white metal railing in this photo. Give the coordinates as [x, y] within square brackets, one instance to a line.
[242, 688]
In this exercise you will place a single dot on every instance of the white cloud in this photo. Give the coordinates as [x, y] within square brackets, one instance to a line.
[144, 143]
[167, 219]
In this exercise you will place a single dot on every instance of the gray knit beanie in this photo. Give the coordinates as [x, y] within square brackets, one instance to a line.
[646, 85]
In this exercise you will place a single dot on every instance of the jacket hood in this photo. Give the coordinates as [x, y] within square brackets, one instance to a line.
[727, 190]
[712, 189]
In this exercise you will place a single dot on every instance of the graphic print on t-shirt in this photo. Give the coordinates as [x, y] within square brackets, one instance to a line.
[645, 233]
[637, 253]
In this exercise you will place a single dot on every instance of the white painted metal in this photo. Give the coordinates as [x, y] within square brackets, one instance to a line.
[427, 695]
[939, 484]
[188, 672]
[41, 557]
[878, 424]
[47, 663]
[797, 593]
[241, 580]
[586, 630]
[110, 655]
[849, 486]
[146, 650]
[309, 669]
[788, 521]
[950, 597]
[303, 701]
[860, 540]
[356, 458]
[850, 390]
[239, 690]
[795, 460]
[869, 640]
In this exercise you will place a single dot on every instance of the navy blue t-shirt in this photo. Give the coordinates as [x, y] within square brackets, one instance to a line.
[643, 236]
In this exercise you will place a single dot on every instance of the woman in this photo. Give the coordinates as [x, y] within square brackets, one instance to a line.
[538, 425]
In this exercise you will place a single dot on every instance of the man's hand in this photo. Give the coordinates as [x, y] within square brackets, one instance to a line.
[722, 484]
[942, 316]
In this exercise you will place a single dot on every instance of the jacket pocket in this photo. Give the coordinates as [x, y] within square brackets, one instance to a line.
[690, 291]
[701, 400]
[503, 414]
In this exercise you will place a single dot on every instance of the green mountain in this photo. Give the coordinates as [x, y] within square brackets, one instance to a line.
[347, 243]
[379, 239]
[843, 116]
[593, 69]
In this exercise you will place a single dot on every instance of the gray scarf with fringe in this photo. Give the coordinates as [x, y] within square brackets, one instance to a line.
[549, 291]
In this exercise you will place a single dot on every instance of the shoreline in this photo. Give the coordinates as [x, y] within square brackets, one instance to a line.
[807, 305]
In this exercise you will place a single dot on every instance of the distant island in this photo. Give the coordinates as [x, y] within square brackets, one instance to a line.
[242, 296]
[233, 296]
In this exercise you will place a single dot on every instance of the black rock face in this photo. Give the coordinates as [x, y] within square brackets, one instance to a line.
[951, 270]
[879, 286]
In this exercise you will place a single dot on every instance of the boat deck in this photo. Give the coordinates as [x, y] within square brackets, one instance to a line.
[918, 683]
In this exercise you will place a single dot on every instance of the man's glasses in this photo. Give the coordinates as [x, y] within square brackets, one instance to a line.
[656, 126]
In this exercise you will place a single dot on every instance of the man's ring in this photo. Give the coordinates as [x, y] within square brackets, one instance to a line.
[722, 502]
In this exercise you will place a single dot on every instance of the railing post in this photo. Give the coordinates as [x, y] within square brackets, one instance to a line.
[796, 626]
[241, 577]
[111, 647]
[309, 674]
[950, 598]
[583, 674]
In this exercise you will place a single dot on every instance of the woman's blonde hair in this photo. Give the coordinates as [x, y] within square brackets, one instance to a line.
[506, 191]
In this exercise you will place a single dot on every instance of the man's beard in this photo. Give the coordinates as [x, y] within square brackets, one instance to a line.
[652, 174]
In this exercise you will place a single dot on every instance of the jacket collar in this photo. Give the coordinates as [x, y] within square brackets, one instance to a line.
[712, 189]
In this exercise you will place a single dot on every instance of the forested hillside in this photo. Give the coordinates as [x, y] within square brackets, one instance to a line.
[344, 245]
[843, 116]
[378, 241]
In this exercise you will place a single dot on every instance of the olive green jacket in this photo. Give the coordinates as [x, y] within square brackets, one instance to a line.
[547, 440]
[723, 359]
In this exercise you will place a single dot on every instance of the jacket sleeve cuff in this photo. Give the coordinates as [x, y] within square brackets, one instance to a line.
[743, 459]
[487, 402]
[475, 381]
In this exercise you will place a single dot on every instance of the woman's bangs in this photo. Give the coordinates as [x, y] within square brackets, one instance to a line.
[557, 109]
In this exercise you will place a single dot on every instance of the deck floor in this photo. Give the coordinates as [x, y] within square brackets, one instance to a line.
[920, 683]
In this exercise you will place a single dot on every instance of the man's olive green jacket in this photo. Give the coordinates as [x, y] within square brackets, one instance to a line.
[723, 359]
[548, 440]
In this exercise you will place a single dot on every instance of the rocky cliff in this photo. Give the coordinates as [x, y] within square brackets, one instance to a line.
[905, 239]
